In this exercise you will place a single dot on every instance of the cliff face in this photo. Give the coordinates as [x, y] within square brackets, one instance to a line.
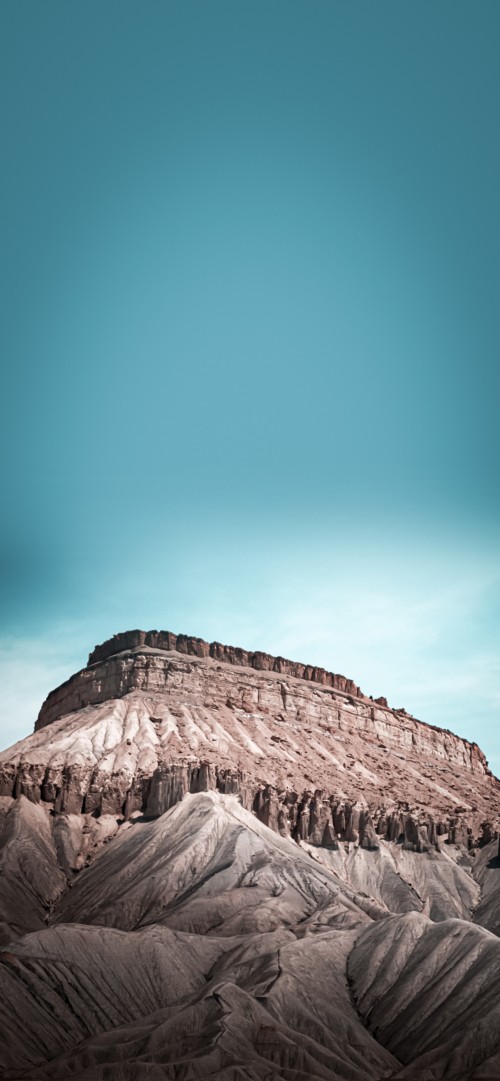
[350, 940]
[97, 689]
[155, 715]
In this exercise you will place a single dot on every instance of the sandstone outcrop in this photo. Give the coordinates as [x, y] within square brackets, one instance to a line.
[220, 864]
[95, 685]
[155, 716]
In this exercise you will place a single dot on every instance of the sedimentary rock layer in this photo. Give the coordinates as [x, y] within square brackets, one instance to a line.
[93, 685]
[217, 864]
[139, 728]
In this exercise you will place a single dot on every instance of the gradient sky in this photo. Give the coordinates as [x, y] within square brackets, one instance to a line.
[250, 339]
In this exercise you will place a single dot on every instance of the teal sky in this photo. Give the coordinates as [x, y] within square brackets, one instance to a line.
[250, 339]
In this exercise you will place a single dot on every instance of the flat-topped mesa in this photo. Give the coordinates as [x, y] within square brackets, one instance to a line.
[197, 647]
[110, 675]
[155, 715]
[188, 669]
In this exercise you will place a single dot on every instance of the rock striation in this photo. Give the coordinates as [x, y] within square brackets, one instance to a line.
[221, 864]
[154, 716]
[96, 686]
[202, 944]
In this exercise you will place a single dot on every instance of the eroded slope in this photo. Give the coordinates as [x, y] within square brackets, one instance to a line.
[204, 945]
[138, 729]
[153, 927]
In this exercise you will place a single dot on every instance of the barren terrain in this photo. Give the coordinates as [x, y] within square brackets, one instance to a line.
[216, 864]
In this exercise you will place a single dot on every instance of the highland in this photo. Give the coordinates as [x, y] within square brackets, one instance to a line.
[215, 863]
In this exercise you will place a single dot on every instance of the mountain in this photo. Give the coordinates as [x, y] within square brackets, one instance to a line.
[154, 715]
[222, 864]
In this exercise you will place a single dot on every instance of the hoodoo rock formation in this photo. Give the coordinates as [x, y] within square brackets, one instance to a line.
[222, 864]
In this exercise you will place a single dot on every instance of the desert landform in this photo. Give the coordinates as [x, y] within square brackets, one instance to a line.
[216, 863]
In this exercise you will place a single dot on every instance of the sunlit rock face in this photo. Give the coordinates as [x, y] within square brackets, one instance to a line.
[221, 864]
[155, 715]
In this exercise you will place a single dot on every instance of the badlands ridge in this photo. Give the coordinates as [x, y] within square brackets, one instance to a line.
[222, 864]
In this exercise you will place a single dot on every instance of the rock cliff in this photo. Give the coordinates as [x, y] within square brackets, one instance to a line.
[95, 684]
[156, 715]
[221, 864]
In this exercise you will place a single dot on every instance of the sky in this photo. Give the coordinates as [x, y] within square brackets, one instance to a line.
[250, 258]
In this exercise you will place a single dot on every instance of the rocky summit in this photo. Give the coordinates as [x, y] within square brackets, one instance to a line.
[216, 863]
